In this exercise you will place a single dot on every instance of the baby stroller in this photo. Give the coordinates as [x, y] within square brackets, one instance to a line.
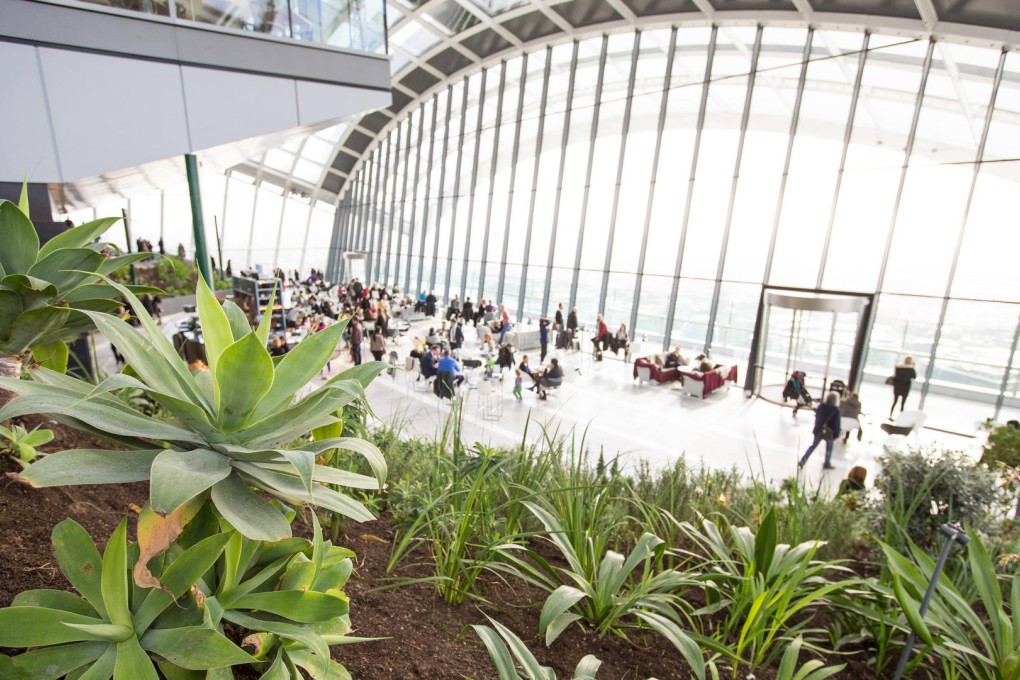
[796, 389]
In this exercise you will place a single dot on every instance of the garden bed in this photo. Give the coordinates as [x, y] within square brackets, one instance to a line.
[425, 638]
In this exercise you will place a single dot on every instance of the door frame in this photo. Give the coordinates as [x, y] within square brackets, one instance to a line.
[861, 338]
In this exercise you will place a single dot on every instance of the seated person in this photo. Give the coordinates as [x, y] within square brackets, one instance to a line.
[703, 363]
[488, 345]
[621, 340]
[852, 487]
[795, 389]
[675, 359]
[430, 362]
[657, 360]
[524, 367]
[506, 357]
[447, 364]
[278, 347]
[550, 377]
[432, 338]
[850, 408]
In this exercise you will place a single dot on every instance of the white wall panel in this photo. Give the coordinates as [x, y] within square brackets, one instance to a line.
[224, 106]
[26, 142]
[111, 112]
[320, 101]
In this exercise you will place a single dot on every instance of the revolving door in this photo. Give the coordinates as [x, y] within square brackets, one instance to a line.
[821, 333]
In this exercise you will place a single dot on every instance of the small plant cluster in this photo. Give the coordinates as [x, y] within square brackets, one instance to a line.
[735, 575]
[174, 276]
[232, 454]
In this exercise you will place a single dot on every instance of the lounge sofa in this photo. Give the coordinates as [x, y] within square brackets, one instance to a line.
[698, 384]
[645, 370]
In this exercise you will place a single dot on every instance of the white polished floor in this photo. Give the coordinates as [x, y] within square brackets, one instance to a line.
[601, 402]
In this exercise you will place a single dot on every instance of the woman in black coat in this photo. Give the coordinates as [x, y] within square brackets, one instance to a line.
[904, 376]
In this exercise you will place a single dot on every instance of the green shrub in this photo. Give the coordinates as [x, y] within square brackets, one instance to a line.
[918, 491]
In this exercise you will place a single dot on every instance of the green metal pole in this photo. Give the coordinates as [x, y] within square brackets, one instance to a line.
[201, 255]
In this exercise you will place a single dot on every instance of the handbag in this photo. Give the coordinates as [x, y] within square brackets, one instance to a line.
[827, 434]
[891, 380]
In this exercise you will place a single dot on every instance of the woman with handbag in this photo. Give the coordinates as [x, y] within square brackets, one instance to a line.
[827, 417]
[901, 380]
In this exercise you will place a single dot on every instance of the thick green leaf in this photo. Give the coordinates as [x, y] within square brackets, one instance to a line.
[498, 652]
[678, 638]
[239, 326]
[587, 668]
[254, 517]
[133, 663]
[23, 198]
[303, 462]
[19, 238]
[33, 326]
[102, 669]
[105, 418]
[91, 466]
[244, 374]
[523, 655]
[290, 631]
[63, 268]
[178, 577]
[55, 662]
[330, 475]
[115, 576]
[112, 264]
[179, 476]
[80, 562]
[53, 356]
[765, 542]
[215, 326]
[103, 631]
[197, 648]
[54, 599]
[289, 488]
[163, 348]
[554, 619]
[79, 236]
[912, 610]
[304, 607]
[10, 307]
[38, 626]
[298, 367]
[364, 373]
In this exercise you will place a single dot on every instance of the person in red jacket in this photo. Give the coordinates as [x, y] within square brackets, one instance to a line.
[602, 339]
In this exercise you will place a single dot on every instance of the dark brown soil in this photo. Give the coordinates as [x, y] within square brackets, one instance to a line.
[425, 638]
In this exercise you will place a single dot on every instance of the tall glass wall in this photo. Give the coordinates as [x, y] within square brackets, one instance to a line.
[661, 177]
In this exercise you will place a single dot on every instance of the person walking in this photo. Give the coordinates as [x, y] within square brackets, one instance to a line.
[378, 344]
[901, 380]
[504, 328]
[357, 337]
[826, 428]
[518, 380]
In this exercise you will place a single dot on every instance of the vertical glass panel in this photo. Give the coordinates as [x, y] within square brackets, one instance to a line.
[267, 224]
[292, 233]
[863, 213]
[620, 300]
[589, 286]
[987, 265]
[955, 100]
[534, 290]
[904, 326]
[1004, 133]
[522, 193]
[927, 228]
[651, 319]
[690, 316]
[734, 321]
[892, 76]
[710, 200]
[559, 288]
[320, 230]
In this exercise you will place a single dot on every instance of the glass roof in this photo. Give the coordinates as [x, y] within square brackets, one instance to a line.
[431, 42]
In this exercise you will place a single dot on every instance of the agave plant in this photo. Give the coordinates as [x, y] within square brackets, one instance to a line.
[21, 442]
[46, 293]
[235, 427]
[284, 598]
